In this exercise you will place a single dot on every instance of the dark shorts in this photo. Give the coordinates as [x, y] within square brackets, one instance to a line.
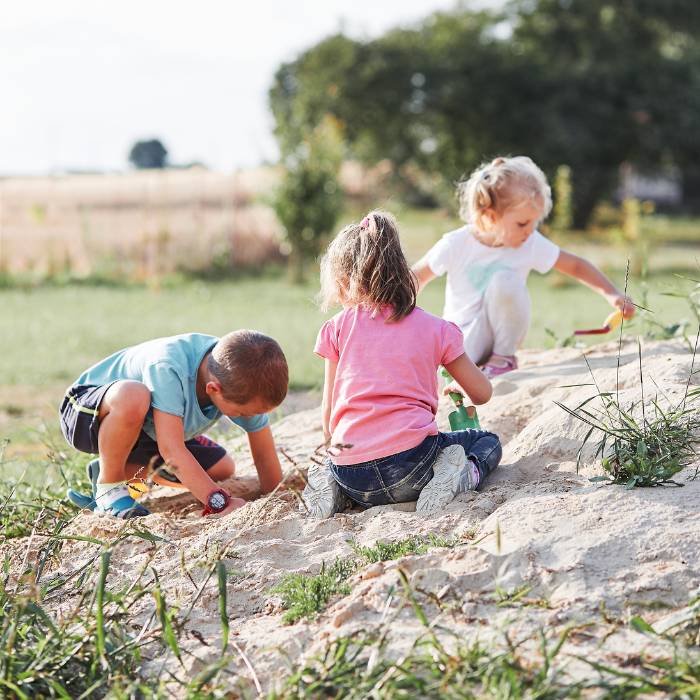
[79, 424]
[401, 477]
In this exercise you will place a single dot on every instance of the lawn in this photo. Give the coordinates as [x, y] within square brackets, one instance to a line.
[52, 332]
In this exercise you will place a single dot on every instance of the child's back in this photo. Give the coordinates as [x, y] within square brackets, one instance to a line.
[385, 391]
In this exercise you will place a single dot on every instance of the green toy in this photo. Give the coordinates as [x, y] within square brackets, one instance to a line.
[465, 417]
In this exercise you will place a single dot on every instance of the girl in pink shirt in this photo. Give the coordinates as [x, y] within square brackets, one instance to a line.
[380, 392]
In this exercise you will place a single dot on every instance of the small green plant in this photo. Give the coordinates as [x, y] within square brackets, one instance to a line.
[562, 217]
[304, 595]
[385, 551]
[643, 445]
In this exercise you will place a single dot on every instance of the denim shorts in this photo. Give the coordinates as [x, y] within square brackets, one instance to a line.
[80, 425]
[400, 477]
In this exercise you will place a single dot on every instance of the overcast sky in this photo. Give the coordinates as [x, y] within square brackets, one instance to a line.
[81, 80]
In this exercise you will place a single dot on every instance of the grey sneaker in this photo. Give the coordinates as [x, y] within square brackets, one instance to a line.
[322, 494]
[452, 474]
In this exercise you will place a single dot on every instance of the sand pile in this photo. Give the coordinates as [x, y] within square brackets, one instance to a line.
[586, 552]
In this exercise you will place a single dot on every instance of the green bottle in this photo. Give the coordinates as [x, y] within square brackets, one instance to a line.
[465, 417]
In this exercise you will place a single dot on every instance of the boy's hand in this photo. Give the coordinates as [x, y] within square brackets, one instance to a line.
[234, 504]
[623, 303]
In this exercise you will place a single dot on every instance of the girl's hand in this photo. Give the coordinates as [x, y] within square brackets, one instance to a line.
[454, 388]
[623, 303]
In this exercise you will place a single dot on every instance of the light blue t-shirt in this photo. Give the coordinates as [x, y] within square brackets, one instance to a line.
[168, 367]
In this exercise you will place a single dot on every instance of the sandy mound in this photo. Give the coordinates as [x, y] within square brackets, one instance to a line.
[537, 523]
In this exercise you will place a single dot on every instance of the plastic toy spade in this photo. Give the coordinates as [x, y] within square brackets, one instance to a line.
[611, 323]
[464, 417]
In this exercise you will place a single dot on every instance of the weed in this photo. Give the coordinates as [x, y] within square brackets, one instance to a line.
[644, 444]
[385, 551]
[517, 597]
[304, 596]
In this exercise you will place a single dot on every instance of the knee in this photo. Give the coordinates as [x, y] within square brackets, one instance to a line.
[225, 468]
[131, 400]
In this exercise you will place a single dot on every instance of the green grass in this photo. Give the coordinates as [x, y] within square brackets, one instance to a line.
[441, 665]
[305, 595]
[56, 332]
[647, 442]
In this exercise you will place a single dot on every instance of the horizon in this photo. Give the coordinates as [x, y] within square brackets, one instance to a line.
[82, 87]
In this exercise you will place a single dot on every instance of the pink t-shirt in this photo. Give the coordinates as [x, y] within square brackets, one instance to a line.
[385, 393]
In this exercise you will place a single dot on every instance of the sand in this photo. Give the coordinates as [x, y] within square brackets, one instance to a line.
[588, 552]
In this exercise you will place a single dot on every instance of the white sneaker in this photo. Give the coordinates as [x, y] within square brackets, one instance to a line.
[322, 495]
[452, 474]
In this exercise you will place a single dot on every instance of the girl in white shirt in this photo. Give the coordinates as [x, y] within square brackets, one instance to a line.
[487, 261]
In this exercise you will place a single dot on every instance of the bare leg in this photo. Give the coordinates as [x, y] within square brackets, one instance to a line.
[122, 411]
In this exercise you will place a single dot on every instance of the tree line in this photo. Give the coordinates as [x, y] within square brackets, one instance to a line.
[590, 84]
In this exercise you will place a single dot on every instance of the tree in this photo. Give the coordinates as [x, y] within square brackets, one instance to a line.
[589, 83]
[148, 154]
[309, 198]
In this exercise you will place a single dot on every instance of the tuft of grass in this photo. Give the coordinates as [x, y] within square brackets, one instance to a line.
[304, 596]
[645, 444]
[386, 551]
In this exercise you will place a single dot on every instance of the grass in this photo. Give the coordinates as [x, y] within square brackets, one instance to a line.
[98, 646]
[646, 443]
[305, 595]
[441, 665]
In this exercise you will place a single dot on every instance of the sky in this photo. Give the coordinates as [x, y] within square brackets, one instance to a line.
[81, 80]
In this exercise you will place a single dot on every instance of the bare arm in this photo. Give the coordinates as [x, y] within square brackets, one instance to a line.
[588, 274]
[470, 378]
[326, 403]
[170, 436]
[423, 273]
[267, 464]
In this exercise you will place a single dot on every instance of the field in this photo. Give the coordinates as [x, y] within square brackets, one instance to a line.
[541, 585]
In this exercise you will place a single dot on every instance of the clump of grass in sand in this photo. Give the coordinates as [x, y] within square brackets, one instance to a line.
[304, 595]
[414, 544]
[644, 444]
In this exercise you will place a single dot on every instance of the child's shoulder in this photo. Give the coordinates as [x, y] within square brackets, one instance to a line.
[459, 235]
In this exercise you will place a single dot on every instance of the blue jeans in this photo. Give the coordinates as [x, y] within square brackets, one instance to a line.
[401, 477]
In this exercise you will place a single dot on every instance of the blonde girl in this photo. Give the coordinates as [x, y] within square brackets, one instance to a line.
[487, 261]
[380, 394]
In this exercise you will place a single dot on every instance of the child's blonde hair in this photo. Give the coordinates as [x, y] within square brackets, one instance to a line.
[501, 184]
[364, 265]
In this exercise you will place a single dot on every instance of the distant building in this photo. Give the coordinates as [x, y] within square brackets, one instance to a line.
[662, 187]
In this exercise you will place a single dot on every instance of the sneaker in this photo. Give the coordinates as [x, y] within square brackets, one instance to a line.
[499, 364]
[453, 473]
[322, 495]
[120, 503]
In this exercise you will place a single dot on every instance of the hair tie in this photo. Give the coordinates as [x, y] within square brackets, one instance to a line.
[364, 223]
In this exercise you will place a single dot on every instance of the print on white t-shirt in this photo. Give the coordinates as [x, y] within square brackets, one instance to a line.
[470, 266]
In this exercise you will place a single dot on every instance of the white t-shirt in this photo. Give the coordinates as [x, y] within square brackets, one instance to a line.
[470, 264]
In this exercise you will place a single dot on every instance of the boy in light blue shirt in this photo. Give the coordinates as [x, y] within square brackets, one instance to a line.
[144, 410]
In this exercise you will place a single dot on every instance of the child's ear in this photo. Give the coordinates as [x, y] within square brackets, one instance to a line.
[213, 388]
[489, 216]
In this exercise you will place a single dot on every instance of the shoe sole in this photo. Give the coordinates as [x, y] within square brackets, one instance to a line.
[445, 484]
[323, 491]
